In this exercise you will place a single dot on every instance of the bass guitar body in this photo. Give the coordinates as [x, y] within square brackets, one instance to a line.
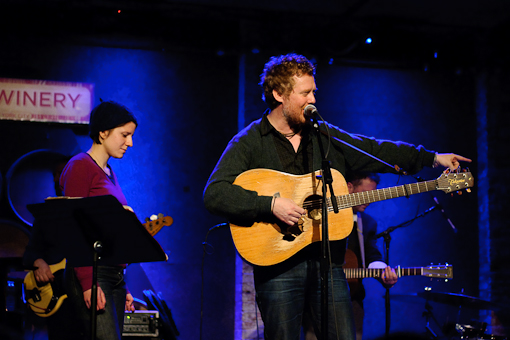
[45, 300]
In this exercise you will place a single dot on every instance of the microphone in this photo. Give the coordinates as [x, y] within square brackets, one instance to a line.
[440, 207]
[310, 111]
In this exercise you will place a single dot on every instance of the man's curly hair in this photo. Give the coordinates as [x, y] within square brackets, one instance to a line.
[278, 75]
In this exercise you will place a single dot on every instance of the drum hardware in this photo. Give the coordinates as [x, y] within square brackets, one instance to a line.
[453, 330]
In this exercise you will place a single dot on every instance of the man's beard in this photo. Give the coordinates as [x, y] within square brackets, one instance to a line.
[295, 122]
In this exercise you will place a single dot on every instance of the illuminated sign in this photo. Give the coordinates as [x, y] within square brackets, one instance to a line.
[45, 101]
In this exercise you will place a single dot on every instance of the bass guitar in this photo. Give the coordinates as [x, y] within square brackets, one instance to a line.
[45, 300]
[269, 243]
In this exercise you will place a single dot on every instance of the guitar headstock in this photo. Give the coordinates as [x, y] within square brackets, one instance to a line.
[155, 224]
[438, 271]
[454, 181]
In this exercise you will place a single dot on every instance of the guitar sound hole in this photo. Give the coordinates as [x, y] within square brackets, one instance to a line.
[313, 206]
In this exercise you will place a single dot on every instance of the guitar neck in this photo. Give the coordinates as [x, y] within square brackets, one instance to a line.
[365, 197]
[361, 273]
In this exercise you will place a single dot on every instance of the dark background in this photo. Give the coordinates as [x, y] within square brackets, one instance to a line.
[435, 74]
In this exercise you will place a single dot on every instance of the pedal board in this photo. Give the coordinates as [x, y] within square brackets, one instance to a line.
[141, 323]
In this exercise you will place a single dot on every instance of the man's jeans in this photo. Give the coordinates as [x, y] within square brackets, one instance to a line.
[283, 298]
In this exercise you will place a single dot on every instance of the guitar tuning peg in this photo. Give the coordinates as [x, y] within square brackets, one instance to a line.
[154, 217]
[468, 190]
[147, 219]
[160, 215]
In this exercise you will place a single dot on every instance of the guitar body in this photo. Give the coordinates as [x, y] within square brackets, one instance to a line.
[45, 300]
[351, 261]
[265, 243]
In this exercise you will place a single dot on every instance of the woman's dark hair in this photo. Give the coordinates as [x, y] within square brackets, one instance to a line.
[108, 115]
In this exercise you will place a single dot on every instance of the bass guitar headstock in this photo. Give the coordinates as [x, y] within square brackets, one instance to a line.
[154, 223]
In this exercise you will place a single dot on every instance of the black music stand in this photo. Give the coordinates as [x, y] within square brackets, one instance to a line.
[96, 229]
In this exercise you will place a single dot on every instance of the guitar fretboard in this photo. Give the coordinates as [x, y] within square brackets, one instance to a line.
[364, 197]
[361, 273]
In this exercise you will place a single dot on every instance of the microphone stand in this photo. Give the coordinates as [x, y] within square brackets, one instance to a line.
[327, 180]
[387, 239]
[325, 241]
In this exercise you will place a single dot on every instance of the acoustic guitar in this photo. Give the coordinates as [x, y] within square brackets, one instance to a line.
[267, 243]
[45, 300]
[354, 274]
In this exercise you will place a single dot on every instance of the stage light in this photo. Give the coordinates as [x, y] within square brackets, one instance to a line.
[330, 61]
[368, 40]
[435, 55]
[118, 11]
[255, 51]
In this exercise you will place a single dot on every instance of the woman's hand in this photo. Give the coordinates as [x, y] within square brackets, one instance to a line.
[129, 303]
[101, 299]
[43, 272]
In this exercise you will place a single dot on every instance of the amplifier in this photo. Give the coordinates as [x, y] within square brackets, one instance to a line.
[141, 323]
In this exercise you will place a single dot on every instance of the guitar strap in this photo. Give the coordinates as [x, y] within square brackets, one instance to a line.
[358, 224]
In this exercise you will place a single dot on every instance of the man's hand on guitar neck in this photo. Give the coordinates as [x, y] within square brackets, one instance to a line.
[286, 210]
[388, 276]
[43, 272]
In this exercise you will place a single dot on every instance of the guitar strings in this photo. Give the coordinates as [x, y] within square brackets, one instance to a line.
[358, 198]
